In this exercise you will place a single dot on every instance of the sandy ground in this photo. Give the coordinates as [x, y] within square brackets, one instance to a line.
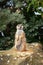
[33, 56]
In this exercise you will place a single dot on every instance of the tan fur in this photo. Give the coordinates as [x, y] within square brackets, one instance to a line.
[20, 40]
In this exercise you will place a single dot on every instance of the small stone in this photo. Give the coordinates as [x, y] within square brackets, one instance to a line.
[30, 58]
[15, 58]
[1, 58]
[8, 61]
[29, 53]
[22, 54]
[8, 54]
[38, 53]
[41, 55]
[27, 64]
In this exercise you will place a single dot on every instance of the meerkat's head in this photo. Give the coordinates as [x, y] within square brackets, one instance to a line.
[19, 27]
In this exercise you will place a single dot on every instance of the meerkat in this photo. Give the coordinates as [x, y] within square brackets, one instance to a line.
[20, 39]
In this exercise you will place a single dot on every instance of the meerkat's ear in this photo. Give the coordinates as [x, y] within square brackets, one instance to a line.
[17, 26]
[22, 26]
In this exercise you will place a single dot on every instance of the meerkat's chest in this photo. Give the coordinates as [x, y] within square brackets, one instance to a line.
[19, 32]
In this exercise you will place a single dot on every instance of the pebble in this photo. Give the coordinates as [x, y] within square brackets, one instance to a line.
[8, 61]
[15, 58]
[27, 63]
[1, 58]
[8, 54]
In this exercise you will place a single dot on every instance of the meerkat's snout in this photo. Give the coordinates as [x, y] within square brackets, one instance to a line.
[19, 27]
